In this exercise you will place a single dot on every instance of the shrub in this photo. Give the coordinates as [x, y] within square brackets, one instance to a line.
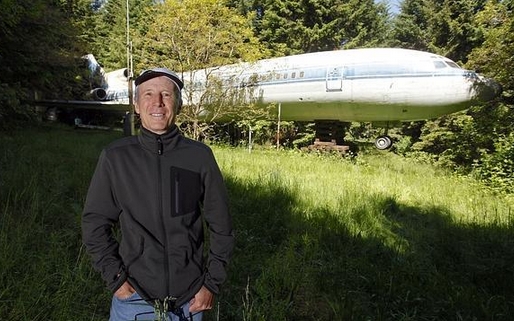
[497, 168]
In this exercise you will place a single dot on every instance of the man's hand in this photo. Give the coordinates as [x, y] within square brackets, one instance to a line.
[125, 291]
[203, 300]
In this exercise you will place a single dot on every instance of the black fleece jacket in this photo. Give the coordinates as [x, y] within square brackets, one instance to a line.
[156, 187]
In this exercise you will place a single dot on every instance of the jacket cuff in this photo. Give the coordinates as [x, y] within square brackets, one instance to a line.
[210, 285]
[117, 281]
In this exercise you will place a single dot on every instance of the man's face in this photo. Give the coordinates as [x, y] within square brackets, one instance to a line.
[156, 104]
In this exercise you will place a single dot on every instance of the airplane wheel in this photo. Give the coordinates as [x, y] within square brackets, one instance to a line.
[383, 142]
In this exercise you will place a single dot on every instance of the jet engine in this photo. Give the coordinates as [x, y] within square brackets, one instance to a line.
[98, 94]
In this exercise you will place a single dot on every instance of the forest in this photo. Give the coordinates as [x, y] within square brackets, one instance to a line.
[420, 232]
[42, 42]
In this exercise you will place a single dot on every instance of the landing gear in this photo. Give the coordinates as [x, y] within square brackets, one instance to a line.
[329, 136]
[383, 142]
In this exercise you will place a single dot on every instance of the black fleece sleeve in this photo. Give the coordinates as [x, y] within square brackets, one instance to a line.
[99, 216]
[216, 211]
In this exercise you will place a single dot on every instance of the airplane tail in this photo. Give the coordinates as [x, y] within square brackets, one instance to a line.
[106, 86]
[97, 78]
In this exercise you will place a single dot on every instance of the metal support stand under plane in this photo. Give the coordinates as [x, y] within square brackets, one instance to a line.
[330, 136]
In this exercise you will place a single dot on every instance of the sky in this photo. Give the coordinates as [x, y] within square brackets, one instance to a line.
[394, 5]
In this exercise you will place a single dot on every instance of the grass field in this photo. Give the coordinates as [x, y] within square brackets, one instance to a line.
[377, 237]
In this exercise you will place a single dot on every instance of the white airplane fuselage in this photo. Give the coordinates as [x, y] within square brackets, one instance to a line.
[363, 85]
[378, 85]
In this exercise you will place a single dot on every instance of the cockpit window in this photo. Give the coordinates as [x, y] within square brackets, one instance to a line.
[452, 64]
[439, 64]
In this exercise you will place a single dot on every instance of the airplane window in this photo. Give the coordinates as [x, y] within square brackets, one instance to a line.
[439, 64]
[378, 69]
[302, 74]
[293, 75]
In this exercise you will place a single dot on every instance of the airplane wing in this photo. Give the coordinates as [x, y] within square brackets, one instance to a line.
[85, 104]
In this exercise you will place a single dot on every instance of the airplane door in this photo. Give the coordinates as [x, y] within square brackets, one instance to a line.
[335, 78]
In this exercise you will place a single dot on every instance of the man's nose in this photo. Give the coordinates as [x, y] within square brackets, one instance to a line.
[158, 100]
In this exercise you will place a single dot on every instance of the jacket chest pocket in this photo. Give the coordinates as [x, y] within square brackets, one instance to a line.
[186, 191]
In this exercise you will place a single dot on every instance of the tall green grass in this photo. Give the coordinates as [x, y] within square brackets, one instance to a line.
[44, 272]
[376, 237]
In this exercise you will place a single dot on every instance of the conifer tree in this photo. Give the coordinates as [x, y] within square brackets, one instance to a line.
[444, 27]
[292, 27]
[410, 26]
[40, 49]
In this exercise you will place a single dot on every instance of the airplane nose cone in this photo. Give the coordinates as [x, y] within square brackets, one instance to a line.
[487, 89]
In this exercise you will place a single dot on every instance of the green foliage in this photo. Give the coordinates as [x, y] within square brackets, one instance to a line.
[108, 31]
[473, 140]
[244, 7]
[108, 28]
[497, 168]
[40, 51]
[410, 26]
[457, 29]
[403, 145]
[305, 136]
[38, 45]
[495, 56]
[292, 27]
[452, 28]
[444, 27]
[258, 121]
[479, 33]
[185, 36]
[450, 139]
[13, 110]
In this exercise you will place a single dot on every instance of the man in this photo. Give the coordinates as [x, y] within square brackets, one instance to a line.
[156, 186]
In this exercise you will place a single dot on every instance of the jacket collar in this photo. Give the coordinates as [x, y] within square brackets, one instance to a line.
[159, 144]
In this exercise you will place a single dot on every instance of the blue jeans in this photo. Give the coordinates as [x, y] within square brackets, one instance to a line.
[134, 308]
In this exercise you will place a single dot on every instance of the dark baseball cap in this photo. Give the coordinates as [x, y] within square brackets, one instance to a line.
[156, 72]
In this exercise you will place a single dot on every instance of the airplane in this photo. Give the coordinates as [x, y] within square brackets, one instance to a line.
[112, 86]
[109, 95]
[378, 85]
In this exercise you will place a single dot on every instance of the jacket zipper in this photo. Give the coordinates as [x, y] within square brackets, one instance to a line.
[162, 214]
[176, 181]
[159, 146]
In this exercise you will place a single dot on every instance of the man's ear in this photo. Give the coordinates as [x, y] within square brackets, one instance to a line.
[136, 108]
